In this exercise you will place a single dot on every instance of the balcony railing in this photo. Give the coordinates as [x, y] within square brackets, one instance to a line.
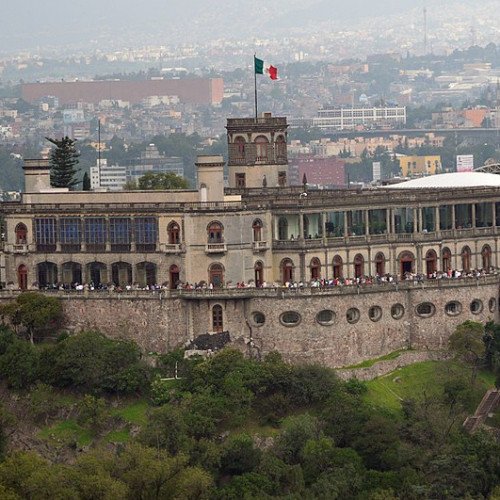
[172, 248]
[260, 246]
[19, 248]
[215, 248]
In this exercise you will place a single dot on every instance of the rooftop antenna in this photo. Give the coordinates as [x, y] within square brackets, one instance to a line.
[425, 30]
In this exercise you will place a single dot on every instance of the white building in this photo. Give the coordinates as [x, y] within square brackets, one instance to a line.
[359, 116]
[107, 177]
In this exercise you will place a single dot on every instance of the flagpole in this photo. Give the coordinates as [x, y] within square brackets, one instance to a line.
[255, 86]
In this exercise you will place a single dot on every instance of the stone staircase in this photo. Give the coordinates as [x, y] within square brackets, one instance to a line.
[487, 405]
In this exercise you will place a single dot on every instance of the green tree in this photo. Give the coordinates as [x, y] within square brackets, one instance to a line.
[156, 181]
[63, 160]
[19, 364]
[86, 182]
[34, 311]
[467, 343]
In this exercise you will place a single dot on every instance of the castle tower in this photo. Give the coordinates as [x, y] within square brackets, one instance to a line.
[257, 154]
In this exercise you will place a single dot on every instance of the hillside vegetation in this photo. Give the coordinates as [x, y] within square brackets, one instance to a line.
[86, 418]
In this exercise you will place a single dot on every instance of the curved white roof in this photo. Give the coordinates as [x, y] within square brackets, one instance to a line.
[453, 180]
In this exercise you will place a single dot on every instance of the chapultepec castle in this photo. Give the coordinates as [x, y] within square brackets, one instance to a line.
[332, 276]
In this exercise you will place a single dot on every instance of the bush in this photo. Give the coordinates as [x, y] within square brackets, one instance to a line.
[92, 362]
[19, 364]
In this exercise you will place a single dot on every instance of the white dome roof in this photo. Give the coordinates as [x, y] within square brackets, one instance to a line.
[453, 180]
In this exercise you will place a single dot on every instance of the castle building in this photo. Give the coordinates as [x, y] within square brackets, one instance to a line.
[263, 233]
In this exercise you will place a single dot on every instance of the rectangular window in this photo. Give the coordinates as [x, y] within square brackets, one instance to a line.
[240, 180]
[95, 234]
[146, 234]
[45, 234]
[120, 234]
[70, 234]
[282, 179]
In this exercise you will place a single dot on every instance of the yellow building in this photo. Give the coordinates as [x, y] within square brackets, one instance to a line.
[420, 165]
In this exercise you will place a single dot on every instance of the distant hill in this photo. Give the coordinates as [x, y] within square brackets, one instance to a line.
[95, 24]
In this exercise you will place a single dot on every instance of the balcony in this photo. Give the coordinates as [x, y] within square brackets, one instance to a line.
[211, 248]
[18, 248]
[260, 246]
[173, 248]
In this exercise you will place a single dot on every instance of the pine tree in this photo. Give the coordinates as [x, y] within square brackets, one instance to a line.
[86, 182]
[63, 159]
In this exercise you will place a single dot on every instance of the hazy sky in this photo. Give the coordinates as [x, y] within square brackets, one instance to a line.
[32, 23]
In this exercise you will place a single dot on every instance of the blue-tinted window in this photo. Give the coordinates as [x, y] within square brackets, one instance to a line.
[70, 230]
[146, 233]
[95, 234]
[119, 231]
[45, 234]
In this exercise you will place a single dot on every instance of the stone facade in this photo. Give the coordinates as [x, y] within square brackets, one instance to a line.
[255, 322]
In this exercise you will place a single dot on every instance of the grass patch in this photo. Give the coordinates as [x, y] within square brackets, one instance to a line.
[118, 436]
[66, 432]
[370, 362]
[419, 380]
[134, 413]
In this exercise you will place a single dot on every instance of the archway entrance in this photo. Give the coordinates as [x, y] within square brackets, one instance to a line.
[47, 274]
[71, 273]
[466, 259]
[446, 258]
[430, 262]
[217, 319]
[406, 263]
[486, 257]
[97, 273]
[174, 275]
[337, 267]
[315, 269]
[359, 266]
[121, 273]
[22, 277]
[259, 274]
[380, 264]
[286, 271]
[216, 275]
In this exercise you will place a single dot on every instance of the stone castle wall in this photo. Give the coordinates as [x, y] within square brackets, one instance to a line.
[162, 321]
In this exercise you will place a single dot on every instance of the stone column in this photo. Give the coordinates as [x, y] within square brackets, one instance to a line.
[415, 221]
[388, 220]
[453, 225]
[57, 235]
[493, 214]
[108, 240]
[367, 221]
[438, 219]
[301, 226]
[473, 215]
[393, 221]
[346, 224]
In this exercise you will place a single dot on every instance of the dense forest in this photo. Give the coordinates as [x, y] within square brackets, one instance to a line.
[88, 417]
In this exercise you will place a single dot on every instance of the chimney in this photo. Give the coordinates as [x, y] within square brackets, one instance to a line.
[36, 175]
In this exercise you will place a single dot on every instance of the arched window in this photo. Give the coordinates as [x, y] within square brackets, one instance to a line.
[21, 234]
[486, 257]
[282, 228]
[466, 258]
[217, 318]
[259, 273]
[72, 273]
[315, 268]
[239, 149]
[359, 266]
[146, 274]
[430, 262]
[97, 273]
[406, 261]
[280, 145]
[286, 267]
[174, 275]
[380, 264]
[337, 267]
[47, 274]
[215, 232]
[174, 233]
[261, 144]
[22, 277]
[257, 230]
[446, 259]
[216, 275]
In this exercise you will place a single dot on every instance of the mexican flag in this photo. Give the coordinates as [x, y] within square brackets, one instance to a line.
[263, 68]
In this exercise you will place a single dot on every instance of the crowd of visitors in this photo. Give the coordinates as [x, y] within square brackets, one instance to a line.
[321, 283]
